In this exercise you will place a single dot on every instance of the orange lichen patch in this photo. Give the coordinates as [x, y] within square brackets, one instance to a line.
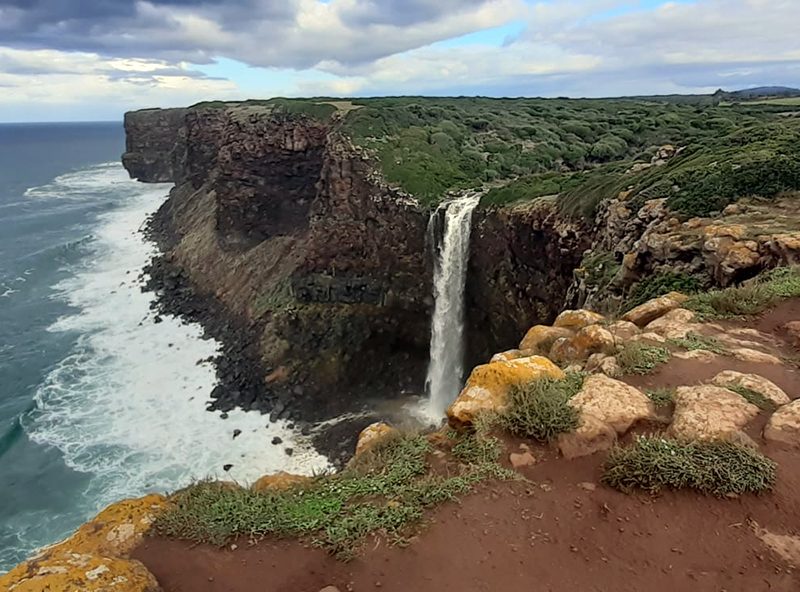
[577, 319]
[488, 386]
[541, 338]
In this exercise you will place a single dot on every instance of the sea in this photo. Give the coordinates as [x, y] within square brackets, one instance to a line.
[98, 402]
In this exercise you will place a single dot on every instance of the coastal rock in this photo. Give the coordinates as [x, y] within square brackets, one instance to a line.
[651, 310]
[612, 402]
[593, 339]
[754, 382]
[79, 572]
[592, 435]
[699, 355]
[622, 331]
[279, 481]
[676, 324]
[512, 354]
[610, 367]
[488, 386]
[784, 425]
[746, 354]
[541, 338]
[374, 434]
[577, 319]
[709, 412]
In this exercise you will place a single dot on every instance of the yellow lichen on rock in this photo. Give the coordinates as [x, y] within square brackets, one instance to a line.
[279, 482]
[488, 386]
[512, 354]
[577, 319]
[540, 339]
[372, 435]
[116, 530]
[64, 571]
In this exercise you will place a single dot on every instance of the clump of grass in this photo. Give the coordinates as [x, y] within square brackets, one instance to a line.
[661, 397]
[753, 397]
[693, 342]
[751, 299]
[717, 468]
[540, 409]
[640, 358]
[383, 491]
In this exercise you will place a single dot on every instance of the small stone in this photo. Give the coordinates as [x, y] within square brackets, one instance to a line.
[236, 433]
[587, 486]
[227, 468]
[330, 589]
[519, 460]
[277, 440]
[289, 451]
[223, 416]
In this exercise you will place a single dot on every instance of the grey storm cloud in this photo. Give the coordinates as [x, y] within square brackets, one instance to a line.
[258, 32]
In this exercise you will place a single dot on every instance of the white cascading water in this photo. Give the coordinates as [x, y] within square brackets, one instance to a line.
[446, 369]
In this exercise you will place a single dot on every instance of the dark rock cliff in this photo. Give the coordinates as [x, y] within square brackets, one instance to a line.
[320, 269]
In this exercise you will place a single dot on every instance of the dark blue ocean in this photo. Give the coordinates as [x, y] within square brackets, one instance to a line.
[97, 401]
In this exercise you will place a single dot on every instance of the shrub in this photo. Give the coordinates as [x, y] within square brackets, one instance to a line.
[717, 468]
[693, 342]
[540, 409]
[660, 284]
[640, 358]
[661, 397]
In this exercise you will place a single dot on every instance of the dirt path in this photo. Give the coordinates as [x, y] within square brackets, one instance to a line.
[562, 532]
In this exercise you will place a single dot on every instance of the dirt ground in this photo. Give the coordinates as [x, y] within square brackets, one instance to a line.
[561, 532]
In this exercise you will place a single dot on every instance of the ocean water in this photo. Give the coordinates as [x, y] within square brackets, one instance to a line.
[97, 401]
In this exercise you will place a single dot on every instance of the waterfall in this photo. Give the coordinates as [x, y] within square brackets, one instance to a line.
[451, 255]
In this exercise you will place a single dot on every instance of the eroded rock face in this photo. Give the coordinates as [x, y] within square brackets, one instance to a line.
[784, 425]
[488, 386]
[710, 412]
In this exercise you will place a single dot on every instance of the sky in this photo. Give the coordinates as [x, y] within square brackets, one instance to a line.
[82, 60]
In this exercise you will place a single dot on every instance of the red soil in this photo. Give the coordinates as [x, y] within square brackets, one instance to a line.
[563, 532]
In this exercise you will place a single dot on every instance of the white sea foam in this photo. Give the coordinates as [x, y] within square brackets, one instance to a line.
[128, 405]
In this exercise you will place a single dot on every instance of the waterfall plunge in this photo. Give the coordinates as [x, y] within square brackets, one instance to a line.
[446, 369]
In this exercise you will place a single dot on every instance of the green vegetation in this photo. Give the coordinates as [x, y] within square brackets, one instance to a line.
[384, 490]
[717, 468]
[693, 342]
[540, 409]
[753, 397]
[661, 397]
[755, 297]
[313, 108]
[640, 358]
[659, 284]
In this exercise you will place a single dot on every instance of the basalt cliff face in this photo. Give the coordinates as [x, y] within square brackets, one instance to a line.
[280, 226]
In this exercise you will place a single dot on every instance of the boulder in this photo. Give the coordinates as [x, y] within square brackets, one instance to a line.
[793, 330]
[540, 339]
[488, 386]
[116, 530]
[592, 435]
[577, 319]
[522, 459]
[279, 482]
[593, 339]
[698, 355]
[613, 402]
[563, 351]
[610, 367]
[648, 338]
[512, 354]
[676, 324]
[374, 434]
[745, 354]
[754, 382]
[784, 425]
[709, 412]
[651, 310]
[74, 571]
[622, 331]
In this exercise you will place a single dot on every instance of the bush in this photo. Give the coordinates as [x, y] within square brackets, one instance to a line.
[540, 409]
[652, 463]
[660, 284]
[693, 342]
[640, 358]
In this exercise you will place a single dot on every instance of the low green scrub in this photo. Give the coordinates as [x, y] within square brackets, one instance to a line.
[754, 397]
[640, 358]
[653, 463]
[384, 491]
[694, 342]
[751, 299]
[660, 284]
[540, 409]
[661, 397]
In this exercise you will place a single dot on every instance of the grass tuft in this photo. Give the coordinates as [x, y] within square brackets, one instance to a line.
[694, 342]
[640, 358]
[383, 491]
[753, 397]
[652, 463]
[540, 409]
[661, 397]
[751, 299]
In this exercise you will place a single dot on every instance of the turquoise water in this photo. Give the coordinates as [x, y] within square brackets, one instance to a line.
[97, 401]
